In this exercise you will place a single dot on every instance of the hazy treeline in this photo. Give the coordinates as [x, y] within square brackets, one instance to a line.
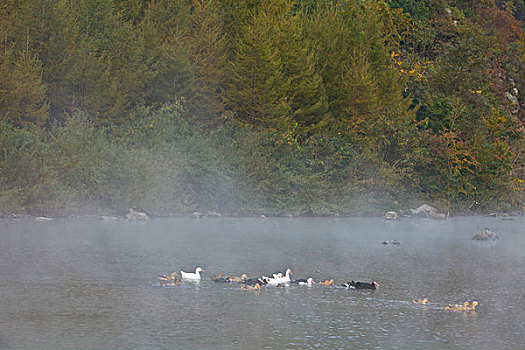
[252, 106]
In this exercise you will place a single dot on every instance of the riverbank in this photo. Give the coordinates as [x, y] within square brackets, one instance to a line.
[115, 216]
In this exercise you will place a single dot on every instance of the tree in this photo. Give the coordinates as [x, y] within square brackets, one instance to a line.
[255, 94]
[22, 91]
[304, 85]
[206, 44]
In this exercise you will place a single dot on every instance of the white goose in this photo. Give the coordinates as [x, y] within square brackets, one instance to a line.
[191, 275]
[286, 278]
[279, 279]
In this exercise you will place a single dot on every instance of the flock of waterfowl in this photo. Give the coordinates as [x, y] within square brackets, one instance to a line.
[279, 280]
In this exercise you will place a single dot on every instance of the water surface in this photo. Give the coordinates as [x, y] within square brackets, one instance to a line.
[77, 284]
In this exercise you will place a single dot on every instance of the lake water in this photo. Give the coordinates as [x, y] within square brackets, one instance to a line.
[79, 284]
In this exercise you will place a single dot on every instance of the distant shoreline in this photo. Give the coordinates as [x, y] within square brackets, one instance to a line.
[118, 217]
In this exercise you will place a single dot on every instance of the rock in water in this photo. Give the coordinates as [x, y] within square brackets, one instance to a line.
[43, 218]
[392, 241]
[136, 216]
[109, 218]
[485, 234]
[391, 215]
[428, 211]
[197, 215]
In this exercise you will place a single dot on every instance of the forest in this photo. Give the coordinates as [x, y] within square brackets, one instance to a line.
[250, 107]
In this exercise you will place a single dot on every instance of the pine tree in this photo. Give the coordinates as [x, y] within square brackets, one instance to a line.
[165, 28]
[206, 45]
[304, 84]
[256, 93]
[22, 91]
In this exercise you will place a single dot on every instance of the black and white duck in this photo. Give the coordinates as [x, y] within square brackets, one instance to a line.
[253, 281]
[361, 285]
[304, 282]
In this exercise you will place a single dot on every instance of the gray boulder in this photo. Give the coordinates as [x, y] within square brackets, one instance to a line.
[391, 215]
[197, 215]
[133, 215]
[43, 218]
[105, 218]
[485, 234]
[427, 211]
[392, 241]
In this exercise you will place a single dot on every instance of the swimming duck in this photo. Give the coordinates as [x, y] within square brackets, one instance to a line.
[421, 301]
[172, 278]
[361, 285]
[286, 278]
[253, 281]
[277, 280]
[457, 307]
[219, 278]
[278, 275]
[304, 282]
[472, 306]
[246, 287]
[327, 283]
[191, 275]
[269, 280]
[237, 279]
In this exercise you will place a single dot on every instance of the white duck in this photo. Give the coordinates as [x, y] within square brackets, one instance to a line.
[277, 279]
[191, 275]
[286, 278]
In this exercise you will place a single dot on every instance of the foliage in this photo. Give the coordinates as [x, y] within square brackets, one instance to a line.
[279, 106]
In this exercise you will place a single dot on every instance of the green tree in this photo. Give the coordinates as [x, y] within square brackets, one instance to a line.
[256, 93]
[304, 85]
[22, 91]
[206, 43]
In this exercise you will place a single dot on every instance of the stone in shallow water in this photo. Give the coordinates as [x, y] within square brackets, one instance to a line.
[428, 211]
[392, 241]
[109, 218]
[485, 234]
[136, 216]
[391, 215]
[43, 218]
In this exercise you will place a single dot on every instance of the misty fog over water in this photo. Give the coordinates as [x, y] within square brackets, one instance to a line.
[80, 284]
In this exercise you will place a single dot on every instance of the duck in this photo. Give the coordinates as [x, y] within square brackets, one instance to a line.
[270, 280]
[219, 278]
[247, 287]
[237, 279]
[253, 281]
[473, 305]
[421, 301]
[191, 275]
[361, 285]
[286, 278]
[173, 278]
[327, 283]
[278, 275]
[304, 282]
[277, 280]
[457, 307]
